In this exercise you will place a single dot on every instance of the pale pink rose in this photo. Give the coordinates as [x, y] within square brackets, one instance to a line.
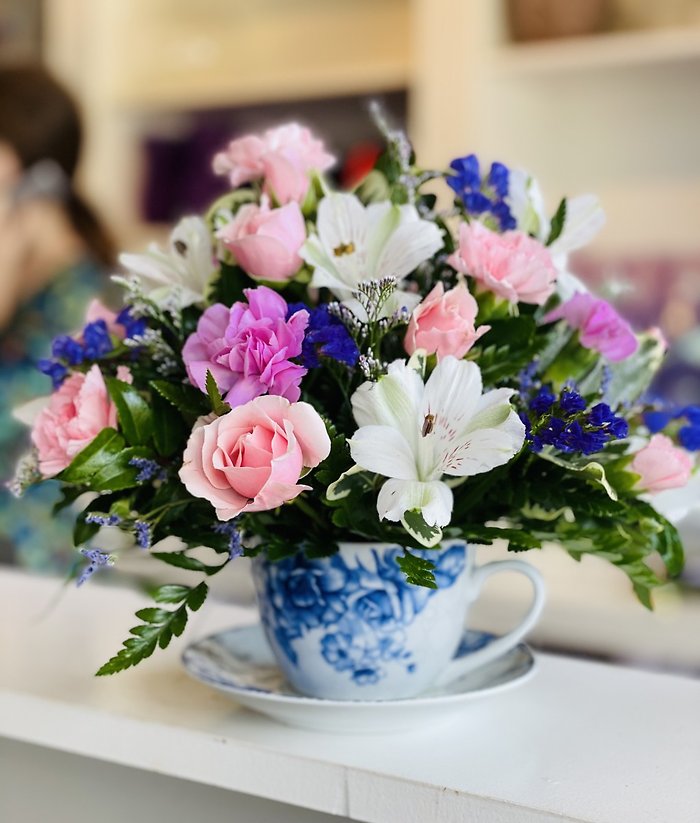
[600, 327]
[512, 265]
[77, 412]
[282, 156]
[266, 242]
[251, 459]
[444, 323]
[661, 465]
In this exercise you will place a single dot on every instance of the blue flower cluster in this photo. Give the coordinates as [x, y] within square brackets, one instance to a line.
[688, 434]
[96, 560]
[95, 342]
[565, 423]
[482, 195]
[143, 534]
[326, 336]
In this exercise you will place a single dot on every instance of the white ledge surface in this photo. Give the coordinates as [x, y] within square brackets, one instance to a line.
[578, 742]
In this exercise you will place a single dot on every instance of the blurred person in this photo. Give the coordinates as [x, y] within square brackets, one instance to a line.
[54, 255]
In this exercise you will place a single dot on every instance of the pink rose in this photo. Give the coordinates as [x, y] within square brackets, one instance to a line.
[248, 348]
[77, 412]
[511, 265]
[661, 465]
[600, 327]
[251, 459]
[265, 241]
[444, 323]
[283, 156]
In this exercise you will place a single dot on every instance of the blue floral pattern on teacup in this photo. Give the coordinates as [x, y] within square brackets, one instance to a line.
[364, 608]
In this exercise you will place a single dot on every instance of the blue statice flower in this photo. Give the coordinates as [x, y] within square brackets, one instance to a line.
[657, 420]
[96, 340]
[66, 348]
[143, 534]
[103, 519]
[543, 401]
[565, 423]
[325, 336]
[570, 401]
[96, 560]
[482, 195]
[133, 326]
[691, 414]
[689, 438]
[147, 469]
[230, 530]
[55, 370]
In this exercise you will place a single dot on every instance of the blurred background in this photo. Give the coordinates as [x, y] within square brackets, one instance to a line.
[590, 95]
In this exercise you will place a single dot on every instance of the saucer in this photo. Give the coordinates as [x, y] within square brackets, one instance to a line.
[240, 663]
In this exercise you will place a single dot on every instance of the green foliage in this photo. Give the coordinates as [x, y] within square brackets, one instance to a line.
[158, 626]
[104, 449]
[217, 401]
[418, 570]
[229, 285]
[186, 399]
[134, 413]
[419, 530]
[558, 222]
[517, 345]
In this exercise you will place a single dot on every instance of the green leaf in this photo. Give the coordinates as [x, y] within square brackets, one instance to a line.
[93, 458]
[119, 474]
[229, 285]
[418, 570]
[217, 401]
[157, 629]
[134, 414]
[591, 469]
[184, 561]
[170, 430]
[558, 222]
[171, 593]
[354, 479]
[419, 530]
[187, 399]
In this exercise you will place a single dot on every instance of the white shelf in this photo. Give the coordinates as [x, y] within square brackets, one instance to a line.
[600, 51]
[579, 742]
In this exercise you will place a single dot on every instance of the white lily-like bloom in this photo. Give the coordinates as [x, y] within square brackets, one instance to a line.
[416, 433]
[584, 219]
[356, 243]
[179, 274]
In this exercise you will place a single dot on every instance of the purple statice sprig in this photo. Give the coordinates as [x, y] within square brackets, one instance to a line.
[230, 529]
[102, 519]
[143, 532]
[565, 422]
[97, 559]
[325, 336]
[147, 469]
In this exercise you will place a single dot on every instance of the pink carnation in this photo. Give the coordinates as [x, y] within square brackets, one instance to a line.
[251, 459]
[265, 241]
[512, 265]
[248, 348]
[444, 323]
[77, 412]
[283, 156]
[661, 465]
[601, 328]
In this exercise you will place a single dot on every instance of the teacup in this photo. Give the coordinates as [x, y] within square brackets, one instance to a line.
[349, 626]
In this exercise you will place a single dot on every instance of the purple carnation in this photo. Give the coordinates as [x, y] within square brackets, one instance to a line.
[248, 348]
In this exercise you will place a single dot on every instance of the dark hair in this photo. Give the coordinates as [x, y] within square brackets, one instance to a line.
[40, 120]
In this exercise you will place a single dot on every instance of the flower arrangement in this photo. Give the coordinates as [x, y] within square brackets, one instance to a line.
[302, 366]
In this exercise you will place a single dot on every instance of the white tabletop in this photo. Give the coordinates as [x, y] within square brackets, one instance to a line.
[578, 742]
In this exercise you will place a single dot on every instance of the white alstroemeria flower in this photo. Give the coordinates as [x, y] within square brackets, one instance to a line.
[356, 243]
[180, 273]
[415, 434]
[584, 219]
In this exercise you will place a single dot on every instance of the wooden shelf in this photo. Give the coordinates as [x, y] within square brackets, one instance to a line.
[602, 51]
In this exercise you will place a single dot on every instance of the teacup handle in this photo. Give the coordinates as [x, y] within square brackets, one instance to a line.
[457, 668]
